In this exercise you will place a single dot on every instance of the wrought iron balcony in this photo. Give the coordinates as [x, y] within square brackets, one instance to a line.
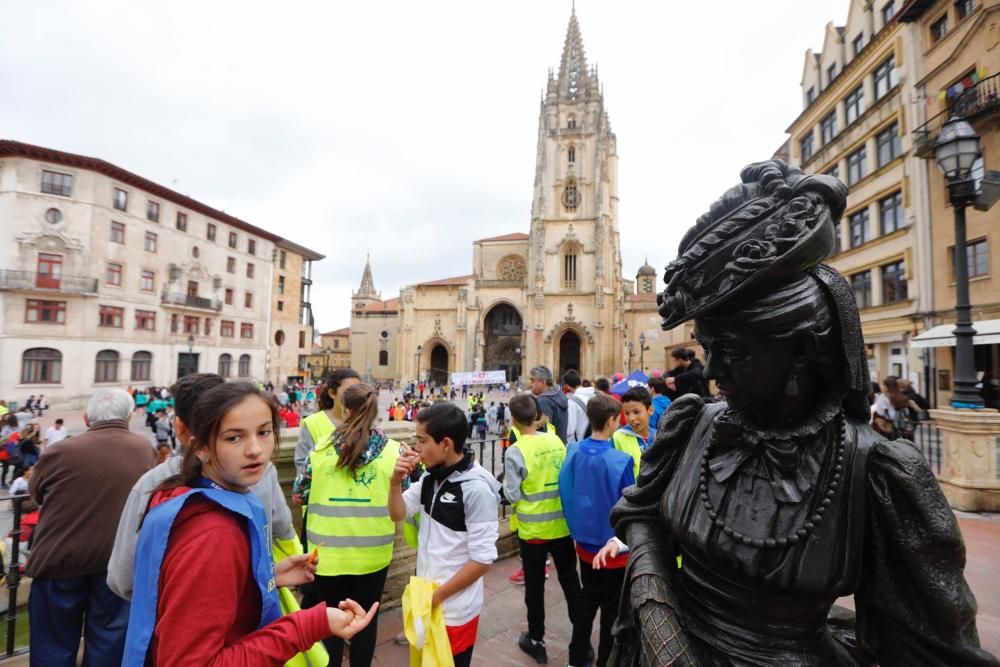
[191, 301]
[14, 279]
[975, 103]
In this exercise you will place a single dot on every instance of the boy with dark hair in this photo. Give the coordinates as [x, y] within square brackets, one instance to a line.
[661, 401]
[591, 481]
[602, 385]
[457, 502]
[633, 437]
[531, 484]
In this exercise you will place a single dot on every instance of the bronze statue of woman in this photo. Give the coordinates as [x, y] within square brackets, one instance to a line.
[781, 499]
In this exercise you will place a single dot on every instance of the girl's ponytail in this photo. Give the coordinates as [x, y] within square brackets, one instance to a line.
[362, 401]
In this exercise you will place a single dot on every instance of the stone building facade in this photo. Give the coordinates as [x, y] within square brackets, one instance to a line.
[554, 295]
[291, 313]
[109, 279]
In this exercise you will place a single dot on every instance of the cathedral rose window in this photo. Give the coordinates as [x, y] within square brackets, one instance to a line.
[511, 268]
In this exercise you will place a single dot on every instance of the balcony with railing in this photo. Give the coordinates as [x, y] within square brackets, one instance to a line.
[13, 279]
[190, 301]
[973, 104]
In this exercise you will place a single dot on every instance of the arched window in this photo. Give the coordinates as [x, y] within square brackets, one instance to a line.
[107, 366]
[571, 122]
[142, 363]
[571, 196]
[570, 256]
[41, 365]
[244, 369]
[383, 358]
[225, 365]
[571, 154]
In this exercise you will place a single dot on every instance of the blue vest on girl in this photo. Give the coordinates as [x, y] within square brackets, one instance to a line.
[153, 545]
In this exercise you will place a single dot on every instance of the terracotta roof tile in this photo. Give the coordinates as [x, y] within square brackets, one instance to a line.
[387, 306]
[346, 331]
[457, 280]
[516, 236]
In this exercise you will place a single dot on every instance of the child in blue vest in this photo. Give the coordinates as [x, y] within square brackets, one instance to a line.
[591, 481]
[205, 588]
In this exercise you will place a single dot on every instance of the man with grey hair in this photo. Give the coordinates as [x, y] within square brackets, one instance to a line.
[551, 400]
[82, 485]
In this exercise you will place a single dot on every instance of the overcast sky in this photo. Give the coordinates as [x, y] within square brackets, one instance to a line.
[404, 129]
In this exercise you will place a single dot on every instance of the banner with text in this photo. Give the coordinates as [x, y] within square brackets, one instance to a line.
[478, 377]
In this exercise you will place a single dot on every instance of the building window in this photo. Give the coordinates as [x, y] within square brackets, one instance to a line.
[226, 328]
[806, 147]
[571, 196]
[861, 284]
[857, 165]
[976, 259]
[111, 316]
[107, 366]
[48, 312]
[252, 246]
[888, 145]
[119, 199]
[885, 77]
[192, 288]
[828, 127]
[250, 269]
[53, 216]
[152, 211]
[149, 242]
[191, 323]
[939, 28]
[964, 7]
[833, 171]
[182, 221]
[890, 213]
[281, 305]
[860, 230]
[571, 124]
[246, 330]
[244, 369]
[248, 299]
[113, 276]
[174, 323]
[230, 264]
[142, 364]
[145, 320]
[854, 104]
[281, 284]
[571, 154]
[888, 11]
[569, 278]
[54, 183]
[232, 239]
[225, 365]
[208, 326]
[894, 283]
[147, 281]
[302, 339]
[41, 365]
[229, 296]
[118, 232]
[281, 259]
[811, 95]
[383, 357]
[831, 74]
[859, 43]
[210, 232]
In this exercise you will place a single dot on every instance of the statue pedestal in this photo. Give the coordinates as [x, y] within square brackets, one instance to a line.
[970, 443]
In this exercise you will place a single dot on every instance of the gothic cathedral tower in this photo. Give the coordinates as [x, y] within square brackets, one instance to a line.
[574, 289]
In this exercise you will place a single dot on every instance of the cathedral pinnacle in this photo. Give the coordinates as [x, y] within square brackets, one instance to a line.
[367, 288]
[573, 73]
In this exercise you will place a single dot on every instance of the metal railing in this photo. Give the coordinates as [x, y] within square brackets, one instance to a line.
[32, 280]
[982, 98]
[191, 301]
[927, 438]
[490, 453]
[14, 576]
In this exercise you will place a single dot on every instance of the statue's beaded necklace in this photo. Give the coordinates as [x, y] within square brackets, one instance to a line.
[795, 536]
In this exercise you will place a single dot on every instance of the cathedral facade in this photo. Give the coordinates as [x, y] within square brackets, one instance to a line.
[554, 296]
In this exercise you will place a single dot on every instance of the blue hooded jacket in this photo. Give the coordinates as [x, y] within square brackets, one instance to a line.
[591, 481]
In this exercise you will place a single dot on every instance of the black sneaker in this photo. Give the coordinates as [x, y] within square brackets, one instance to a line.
[534, 648]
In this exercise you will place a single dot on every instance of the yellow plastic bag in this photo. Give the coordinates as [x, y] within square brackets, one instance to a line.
[316, 656]
[424, 626]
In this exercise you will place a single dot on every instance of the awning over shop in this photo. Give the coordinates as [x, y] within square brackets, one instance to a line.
[987, 333]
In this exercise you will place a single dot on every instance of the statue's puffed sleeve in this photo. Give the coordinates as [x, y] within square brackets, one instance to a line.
[914, 606]
[647, 629]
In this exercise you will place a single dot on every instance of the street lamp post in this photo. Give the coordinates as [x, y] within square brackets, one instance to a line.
[190, 359]
[955, 151]
[630, 354]
[642, 352]
[420, 351]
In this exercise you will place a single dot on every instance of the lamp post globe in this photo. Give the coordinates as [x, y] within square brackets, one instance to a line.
[955, 151]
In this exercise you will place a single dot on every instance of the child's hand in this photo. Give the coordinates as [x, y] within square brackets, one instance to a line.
[294, 570]
[349, 618]
[405, 465]
[609, 550]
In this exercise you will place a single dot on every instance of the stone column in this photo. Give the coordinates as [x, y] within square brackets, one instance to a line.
[970, 441]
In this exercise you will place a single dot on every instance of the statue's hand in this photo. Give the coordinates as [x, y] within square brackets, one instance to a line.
[663, 636]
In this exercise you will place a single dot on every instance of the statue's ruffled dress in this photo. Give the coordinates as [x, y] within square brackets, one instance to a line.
[889, 539]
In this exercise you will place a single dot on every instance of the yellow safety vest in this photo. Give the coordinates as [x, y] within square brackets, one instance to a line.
[549, 427]
[628, 443]
[316, 655]
[349, 513]
[539, 511]
[411, 529]
[320, 428]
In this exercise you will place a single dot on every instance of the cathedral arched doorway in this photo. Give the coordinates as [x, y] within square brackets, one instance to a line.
[503, 341]
[569, 352]
[439, 365]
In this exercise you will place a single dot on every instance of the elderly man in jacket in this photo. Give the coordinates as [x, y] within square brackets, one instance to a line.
[82, 485]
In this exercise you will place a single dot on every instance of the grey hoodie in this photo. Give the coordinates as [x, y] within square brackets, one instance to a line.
[554, 404]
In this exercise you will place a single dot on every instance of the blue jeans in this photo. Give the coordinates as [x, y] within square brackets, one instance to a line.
[60, 609]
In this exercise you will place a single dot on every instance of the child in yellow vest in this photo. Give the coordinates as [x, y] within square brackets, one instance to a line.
[531, 485]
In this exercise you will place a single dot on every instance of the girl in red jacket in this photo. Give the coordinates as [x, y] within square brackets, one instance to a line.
[205, 588]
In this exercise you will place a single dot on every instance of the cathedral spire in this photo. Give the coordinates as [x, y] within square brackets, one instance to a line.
[367, 288]
[573, 73]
